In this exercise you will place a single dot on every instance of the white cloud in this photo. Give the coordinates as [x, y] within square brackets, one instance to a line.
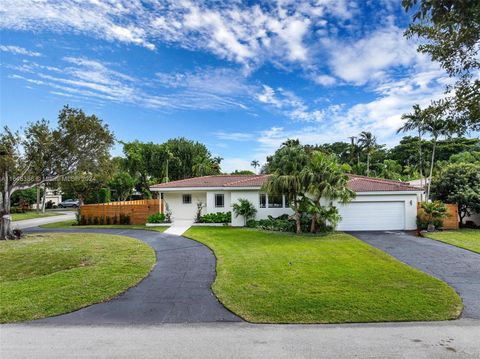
[325, 80]
[248, 34]
[16, 50]
[289, 103]
[210, 89]
[367, 59]
[234, 136]
[230, 164]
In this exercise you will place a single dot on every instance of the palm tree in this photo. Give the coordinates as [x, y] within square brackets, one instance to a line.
[436, 126]
[368, 143]
[244, 208]
[287, 164]
[255, 164]
[168, 157]
[203, 166]
[325, 178]
[416, 121]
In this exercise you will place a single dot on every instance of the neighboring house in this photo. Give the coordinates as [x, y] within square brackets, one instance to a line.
[380, 204]
[422, 183]
[53, 195]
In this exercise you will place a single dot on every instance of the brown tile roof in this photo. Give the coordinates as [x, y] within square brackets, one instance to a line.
[356, 183]
[217, 181]
[370, 184]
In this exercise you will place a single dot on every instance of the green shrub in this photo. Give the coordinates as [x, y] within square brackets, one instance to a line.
[156, 218]
[431, 214]
[422, 223]
[219, 217]
[124, 219]
[104, 195]
[283, 223]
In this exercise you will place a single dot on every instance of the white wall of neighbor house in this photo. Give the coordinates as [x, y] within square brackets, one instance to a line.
[181, 210]
[475, 218]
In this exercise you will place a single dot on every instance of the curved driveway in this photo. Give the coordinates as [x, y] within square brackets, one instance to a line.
[458, 267]
[177, 290]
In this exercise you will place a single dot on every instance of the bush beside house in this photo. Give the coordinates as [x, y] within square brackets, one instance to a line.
[219, 217]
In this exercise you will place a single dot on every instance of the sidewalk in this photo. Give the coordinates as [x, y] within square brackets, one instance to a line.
[455, 339]
[179, 227]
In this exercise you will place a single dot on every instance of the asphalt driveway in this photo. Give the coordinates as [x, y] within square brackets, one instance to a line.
[458, 267]
[177, 290]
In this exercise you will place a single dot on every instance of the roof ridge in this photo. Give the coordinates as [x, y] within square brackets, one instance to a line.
[377, 179]
[245, 179]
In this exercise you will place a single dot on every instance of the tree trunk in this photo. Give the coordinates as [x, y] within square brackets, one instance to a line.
[313, 225]
[368, 164]
[431, 167]
[44, 196]
[5, 220]
[38, 199]
[420, 159]
[297, 222]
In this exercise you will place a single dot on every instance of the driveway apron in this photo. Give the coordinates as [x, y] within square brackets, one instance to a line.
[458, 267]
[177, 290]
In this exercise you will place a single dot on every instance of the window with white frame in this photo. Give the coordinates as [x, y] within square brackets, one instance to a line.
[187, 198]
[219, 200]
[263, 200]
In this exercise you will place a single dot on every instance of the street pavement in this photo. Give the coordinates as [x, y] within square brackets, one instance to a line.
[451, 339]
[31, 223]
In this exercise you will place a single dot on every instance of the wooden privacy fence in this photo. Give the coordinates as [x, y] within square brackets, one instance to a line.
[137, 211]
[451, 222]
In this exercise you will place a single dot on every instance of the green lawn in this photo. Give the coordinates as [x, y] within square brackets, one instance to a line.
[52, 273]
[463, 238]
[280, 278]
[32, 215]
[72, 224]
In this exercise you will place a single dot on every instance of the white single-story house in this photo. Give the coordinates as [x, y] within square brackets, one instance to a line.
[379, 205]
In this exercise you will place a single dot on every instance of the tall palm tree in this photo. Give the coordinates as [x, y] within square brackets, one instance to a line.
[436, 126]
[368, 143]
[168, 158]
[325, 178]
[416, 122]
[255, 164]
[287, 165]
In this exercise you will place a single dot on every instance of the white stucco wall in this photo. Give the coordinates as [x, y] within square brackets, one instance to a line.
[262, 213]
[188, 211]
[179, 209]
[410, 201]
[210, 202]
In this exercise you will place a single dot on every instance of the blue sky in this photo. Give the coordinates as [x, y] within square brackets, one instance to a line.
[239, 76]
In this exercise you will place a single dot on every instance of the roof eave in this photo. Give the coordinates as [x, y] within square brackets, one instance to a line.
[226, 188]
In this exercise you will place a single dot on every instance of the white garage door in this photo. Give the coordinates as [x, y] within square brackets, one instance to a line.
[372, 216]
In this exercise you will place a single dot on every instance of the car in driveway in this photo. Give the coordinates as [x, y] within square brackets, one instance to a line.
[69, 203]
